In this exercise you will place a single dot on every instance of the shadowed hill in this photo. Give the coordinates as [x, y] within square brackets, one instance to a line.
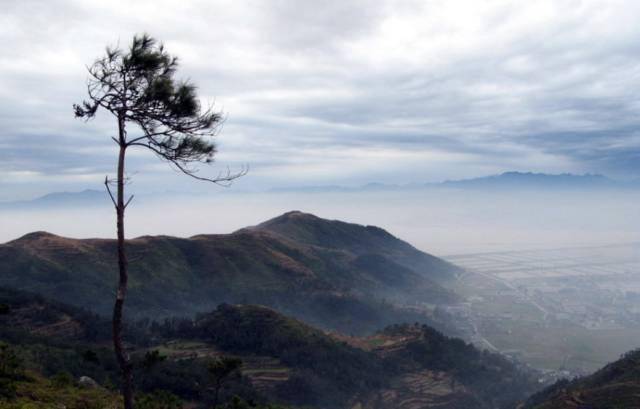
[24, 315]
[617, 385]
[332, 274]
[284, 360]
[406, 366]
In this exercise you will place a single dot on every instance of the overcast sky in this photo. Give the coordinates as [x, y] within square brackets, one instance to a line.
[335, 92]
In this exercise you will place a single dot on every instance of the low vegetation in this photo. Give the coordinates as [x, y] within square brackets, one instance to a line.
[617, 385]
[268, 358]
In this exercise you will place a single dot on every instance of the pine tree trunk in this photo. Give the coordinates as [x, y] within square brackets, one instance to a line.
[121, 354]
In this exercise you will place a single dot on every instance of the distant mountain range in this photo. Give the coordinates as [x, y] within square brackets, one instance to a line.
[528, 180]
[84, 198]
[504, 181]
[332, 274]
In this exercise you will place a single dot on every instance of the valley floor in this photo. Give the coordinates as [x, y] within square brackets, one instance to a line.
[564, 311]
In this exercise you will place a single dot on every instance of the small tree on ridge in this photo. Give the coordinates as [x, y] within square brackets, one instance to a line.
[137, 86]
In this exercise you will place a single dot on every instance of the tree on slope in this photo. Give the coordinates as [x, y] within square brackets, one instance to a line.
[137, 87]
[220, 370]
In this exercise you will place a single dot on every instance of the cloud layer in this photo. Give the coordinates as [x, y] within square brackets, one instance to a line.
[337, 92]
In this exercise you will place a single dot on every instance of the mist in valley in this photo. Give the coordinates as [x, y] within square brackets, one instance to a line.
[441, 221]
[552, 276]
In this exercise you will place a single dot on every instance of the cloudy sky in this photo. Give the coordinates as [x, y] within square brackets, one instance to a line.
[335, 92]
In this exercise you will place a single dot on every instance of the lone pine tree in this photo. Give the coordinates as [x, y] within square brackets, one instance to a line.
[137, 87]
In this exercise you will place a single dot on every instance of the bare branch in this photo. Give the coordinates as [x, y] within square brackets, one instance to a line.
[106, 184]
[128, 201]
[222, 179]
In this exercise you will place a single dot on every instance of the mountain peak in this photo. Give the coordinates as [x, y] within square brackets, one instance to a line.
[293, 216]
[44, 240]
[37, 236]
[310, 229]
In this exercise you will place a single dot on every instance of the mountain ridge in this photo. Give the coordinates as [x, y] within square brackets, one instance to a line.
[509, 179]
[524, 180]
[329, 286]
[538, 180]
[312, 230]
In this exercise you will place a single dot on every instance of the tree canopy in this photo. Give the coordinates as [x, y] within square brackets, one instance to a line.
[138, 86]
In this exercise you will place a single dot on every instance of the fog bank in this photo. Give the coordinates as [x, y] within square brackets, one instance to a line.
[439, 221]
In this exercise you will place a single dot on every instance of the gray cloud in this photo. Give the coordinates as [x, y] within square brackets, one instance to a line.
[341, 92]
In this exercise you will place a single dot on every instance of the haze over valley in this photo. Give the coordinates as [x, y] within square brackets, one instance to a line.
[442, 219]
[539, 246]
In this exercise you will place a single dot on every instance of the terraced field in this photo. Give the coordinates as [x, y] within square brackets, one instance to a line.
[264, 372]
[426, 389]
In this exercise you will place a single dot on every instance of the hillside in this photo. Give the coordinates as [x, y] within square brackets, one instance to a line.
[332, 274]
[617, 385]
[43, 364]
[402, 367]
[436, 370]
[24, 315]
[38, 392]
[371, 244]
[283, 360]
